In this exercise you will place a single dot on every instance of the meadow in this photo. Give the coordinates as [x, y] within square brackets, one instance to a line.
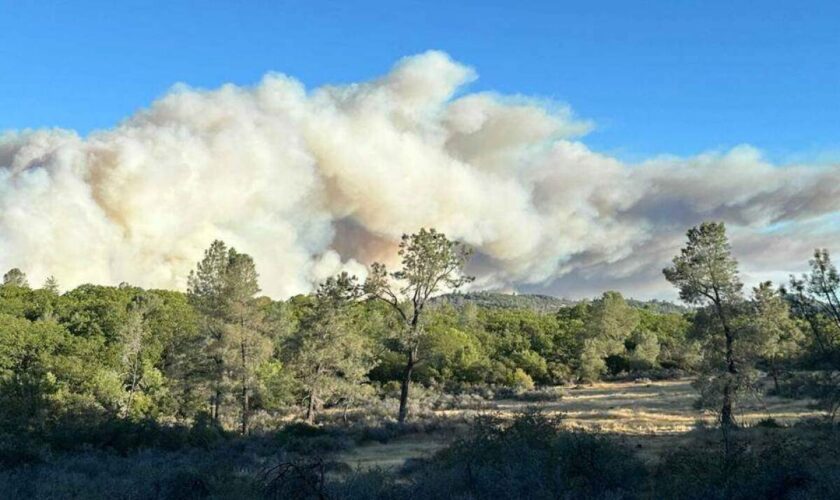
[652, 416]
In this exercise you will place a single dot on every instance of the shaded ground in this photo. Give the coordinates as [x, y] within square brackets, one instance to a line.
[394, 453]
[650, 416]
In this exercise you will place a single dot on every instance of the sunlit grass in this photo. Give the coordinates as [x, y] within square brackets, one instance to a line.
[647, 413]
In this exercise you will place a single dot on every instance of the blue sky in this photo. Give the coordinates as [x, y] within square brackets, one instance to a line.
[656, 77]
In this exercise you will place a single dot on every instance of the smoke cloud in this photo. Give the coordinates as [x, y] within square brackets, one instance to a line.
[311, 182]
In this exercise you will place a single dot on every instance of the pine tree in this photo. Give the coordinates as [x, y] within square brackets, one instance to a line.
[223, 289]
[705, 273]
[327, 353]
[431, 263]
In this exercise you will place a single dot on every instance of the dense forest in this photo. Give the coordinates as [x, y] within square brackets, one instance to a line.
[164, 386]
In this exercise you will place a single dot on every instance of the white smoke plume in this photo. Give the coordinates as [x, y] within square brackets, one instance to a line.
[313, 182]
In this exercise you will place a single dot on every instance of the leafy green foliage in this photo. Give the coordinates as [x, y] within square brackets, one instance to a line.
[776, 336]
[608, 327]
[15, 277]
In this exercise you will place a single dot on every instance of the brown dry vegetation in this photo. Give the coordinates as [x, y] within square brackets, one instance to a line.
[651, 416]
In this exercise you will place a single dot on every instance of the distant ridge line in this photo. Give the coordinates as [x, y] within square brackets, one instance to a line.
[542, 303]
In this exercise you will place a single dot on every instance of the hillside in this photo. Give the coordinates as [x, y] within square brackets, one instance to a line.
[541, 303]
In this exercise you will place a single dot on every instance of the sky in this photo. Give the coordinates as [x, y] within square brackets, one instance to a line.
[663, 97]
[656, 77]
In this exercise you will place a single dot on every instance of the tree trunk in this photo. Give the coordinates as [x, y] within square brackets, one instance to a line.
[726, 419]
[217, 390]
[311, 408]
[245, 411]
[775, 371]
[245, 402]
[406, 384]
[133, 387]
[726, 416]
[217, 398]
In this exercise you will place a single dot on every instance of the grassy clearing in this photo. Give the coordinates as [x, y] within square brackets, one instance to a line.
[650, 416]
[651, 408]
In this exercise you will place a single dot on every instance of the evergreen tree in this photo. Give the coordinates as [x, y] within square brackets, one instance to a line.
[705, 273]
[51, 285]
[206, 291]
[247, 345]
[431, 264]
[223, 289]
[327, 353]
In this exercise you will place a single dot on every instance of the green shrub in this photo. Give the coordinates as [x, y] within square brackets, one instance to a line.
[520, 380]
[530, 458]
[305, 439]
[16, 450]
[768, 463]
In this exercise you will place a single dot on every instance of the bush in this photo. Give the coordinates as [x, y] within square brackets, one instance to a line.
[520, 380]
[769, 423]
[305, 439]
[545, 394]
[762, 463]
[529, 458]
[823, 386]
[16, 451]
[125, 435]
[373, 484]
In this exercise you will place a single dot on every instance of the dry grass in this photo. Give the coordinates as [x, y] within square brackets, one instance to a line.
[654, 408]
[650, 416]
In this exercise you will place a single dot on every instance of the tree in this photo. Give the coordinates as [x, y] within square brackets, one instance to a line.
[431, 263]
[706, 273]
[206, 292]
[134, 334]
[327, 353]
[51, 285]
[243, 318]
[824, 284]
[815, 297]
[28, 352]
[676, 350]
[609, 324]
[15, 277]
[223, 288]
[644, 349]
[777, 336]
[174, 347]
